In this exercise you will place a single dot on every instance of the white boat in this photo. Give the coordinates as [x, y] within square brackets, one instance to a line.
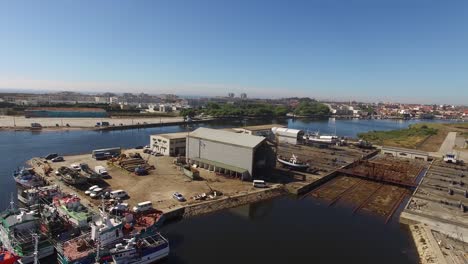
[141, 251]
[293, 162]
[320, 139]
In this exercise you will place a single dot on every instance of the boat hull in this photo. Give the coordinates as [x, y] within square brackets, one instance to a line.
[293, 165]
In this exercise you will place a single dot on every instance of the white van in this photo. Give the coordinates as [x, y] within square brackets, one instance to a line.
[118, 194]
[100, 170]
[259, 184]
[142, 207]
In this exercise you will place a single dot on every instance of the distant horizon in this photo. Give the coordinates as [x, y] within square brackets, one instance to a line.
[34, 91]
[364, 50]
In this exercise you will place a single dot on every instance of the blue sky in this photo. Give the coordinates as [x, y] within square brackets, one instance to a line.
[410, 51]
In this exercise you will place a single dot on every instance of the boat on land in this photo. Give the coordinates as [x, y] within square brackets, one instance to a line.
[316, 138]
[20, 235]
[71, 177]
[141, 250]
[293, 162]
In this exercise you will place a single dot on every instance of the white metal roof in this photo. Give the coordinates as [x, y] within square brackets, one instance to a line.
[284, 131]
[227, 137]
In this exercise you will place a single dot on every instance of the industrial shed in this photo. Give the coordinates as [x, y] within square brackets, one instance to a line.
[226, 152]
[288, 135]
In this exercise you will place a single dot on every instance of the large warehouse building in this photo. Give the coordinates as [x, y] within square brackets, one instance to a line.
[64, 112]
[226, 152]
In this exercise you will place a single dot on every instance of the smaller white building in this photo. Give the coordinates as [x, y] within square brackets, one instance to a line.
[172, 144]
[165, 108]
[288, 135]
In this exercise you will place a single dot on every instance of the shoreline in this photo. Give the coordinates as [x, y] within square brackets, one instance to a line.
[106, 128]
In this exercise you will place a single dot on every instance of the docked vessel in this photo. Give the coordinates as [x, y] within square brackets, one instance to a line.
[105, 233]
[293, 162]
[6, 257]
[141, 250]
[320, 139]
[138, 223]
[36, 195]
[70, 208]
[27, 178]
[20, 235]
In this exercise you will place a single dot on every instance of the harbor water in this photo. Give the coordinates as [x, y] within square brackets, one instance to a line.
[281, 230]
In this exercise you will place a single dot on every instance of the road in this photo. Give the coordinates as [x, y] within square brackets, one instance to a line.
[21, 121]
[448, 144]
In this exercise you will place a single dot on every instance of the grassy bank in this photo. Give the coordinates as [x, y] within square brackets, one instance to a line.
[424, 136]
[411, 137]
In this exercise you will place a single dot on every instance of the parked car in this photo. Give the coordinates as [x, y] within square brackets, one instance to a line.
[179, 197]
[139, 147]
[57, 159]
[118, 209]
[106, 195]
[259, 184]
[118, 194]
[90, 189]
[51, 156]
[147, 147]
[75, 167]
[101, 171]
[140, 171]
[147, 151]
[96, 193]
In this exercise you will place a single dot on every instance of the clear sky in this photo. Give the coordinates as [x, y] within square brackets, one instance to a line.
[409, 50]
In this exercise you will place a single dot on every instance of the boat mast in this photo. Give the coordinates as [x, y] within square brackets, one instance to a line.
[36, 246]
[12, 202]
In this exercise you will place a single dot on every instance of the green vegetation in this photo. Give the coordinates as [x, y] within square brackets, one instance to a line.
[239, 109]
[412, 137]
[309, 107]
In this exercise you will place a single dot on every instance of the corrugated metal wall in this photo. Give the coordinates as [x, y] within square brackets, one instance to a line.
[232, 155]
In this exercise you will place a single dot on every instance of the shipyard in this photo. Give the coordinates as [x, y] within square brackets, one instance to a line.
[185, 174]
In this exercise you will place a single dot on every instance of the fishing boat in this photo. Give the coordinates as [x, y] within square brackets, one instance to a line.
[141, 250]
[36, 195]
[27, 178]
[71, 177]
[320, 139]
[20, 235]
[293, 162]
[6, 257]
[144, 222]
[70, 208]
[105, 232]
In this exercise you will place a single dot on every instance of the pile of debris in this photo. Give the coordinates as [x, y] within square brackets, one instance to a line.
[133, 163]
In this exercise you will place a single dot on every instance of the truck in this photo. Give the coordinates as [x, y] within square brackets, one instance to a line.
[451, 158]
[101, 154]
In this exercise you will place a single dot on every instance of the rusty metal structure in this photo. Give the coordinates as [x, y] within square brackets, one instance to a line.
[403, 173]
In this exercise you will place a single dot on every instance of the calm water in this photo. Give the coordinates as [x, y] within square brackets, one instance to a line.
[281, 230]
